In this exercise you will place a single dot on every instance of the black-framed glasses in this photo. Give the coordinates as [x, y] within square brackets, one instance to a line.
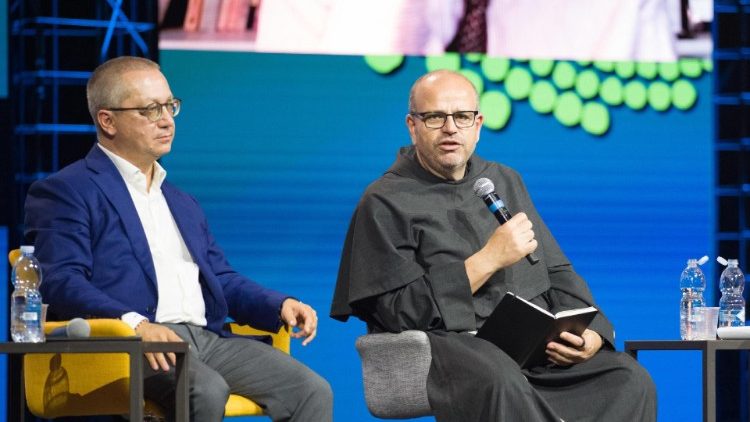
[436, 119]
[153, 112]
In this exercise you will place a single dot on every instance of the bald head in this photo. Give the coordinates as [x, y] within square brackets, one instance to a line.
[107, 87]
[434, 80]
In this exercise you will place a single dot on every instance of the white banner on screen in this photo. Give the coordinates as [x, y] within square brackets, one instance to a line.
[642, 30]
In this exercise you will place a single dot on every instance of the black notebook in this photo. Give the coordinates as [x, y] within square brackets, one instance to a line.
[522, 329]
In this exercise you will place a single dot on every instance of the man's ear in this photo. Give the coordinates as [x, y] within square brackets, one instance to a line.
[410, 125]
[106, 120]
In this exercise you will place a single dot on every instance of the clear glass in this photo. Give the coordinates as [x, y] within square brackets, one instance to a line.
[437, 119]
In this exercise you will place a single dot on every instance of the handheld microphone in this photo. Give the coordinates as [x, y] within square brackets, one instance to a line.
[75, 328]
[485, 189]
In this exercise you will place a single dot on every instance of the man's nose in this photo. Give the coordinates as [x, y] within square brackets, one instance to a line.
[450, 125]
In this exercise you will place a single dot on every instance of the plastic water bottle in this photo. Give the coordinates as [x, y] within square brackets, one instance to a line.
[731, 304]
[26, 301]
[692, 284]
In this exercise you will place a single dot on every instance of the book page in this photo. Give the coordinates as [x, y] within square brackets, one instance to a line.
[563, 314]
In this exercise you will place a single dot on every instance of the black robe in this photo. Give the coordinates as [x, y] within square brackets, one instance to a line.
[402, 267]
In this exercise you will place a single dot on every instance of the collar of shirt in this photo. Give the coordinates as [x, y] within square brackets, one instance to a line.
[133, 175]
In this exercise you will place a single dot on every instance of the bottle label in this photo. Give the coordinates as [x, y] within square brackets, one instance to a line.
[30, 316]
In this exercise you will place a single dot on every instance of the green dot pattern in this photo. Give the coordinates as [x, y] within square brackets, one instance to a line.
[659, 96]
[518, 83]
[684, 94]
[669, 71]
[496, 108]
[595, 118]
[646, 70]
[692, 68]
[625, 70]
[448, 61]
[635, 95]
[473, 57]
[611, 91]
[568, 109]
[587, 84]
[495, 69]
[475, 79]
[543, 96]
[384, 64]
[541, 68]
[564, 75]
[604, 66]
[574, 92]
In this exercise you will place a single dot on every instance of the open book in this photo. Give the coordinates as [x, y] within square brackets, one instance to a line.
[522, 329]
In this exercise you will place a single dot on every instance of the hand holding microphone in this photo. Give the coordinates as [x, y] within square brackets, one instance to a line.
[521, 229]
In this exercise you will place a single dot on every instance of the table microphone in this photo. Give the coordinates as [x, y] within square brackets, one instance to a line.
[75, 328]
[485, 189]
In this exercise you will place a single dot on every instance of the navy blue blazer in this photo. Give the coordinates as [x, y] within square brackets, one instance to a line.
[96, 260]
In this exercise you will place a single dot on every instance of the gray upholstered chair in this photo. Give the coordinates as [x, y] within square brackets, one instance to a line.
[394, 373]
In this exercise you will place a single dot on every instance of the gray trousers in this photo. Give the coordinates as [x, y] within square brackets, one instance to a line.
[284, 387]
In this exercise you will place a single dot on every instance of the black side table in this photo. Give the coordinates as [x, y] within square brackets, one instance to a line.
[133, 346]
[708, 350]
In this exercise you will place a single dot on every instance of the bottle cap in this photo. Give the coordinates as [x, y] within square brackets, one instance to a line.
[27, 249]
[703, 260]
[722, 261]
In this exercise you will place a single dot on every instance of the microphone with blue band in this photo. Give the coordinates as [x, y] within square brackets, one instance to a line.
[485, 189]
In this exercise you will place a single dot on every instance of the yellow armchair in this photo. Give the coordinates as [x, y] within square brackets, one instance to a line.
[77, 384]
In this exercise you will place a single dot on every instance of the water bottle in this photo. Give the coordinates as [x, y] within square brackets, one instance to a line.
[731, 304]
[692, 284]
[26, 301]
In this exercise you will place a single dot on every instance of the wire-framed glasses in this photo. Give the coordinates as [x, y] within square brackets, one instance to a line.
[153, 112]
[437, 119]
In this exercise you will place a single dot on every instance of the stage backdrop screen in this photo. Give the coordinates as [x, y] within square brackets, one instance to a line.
[617, 157]
[3, 48]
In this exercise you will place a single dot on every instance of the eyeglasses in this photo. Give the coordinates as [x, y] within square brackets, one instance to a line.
[436, 119]
[153, 112]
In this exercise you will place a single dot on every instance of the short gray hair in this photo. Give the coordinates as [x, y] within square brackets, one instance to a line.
[105, 87]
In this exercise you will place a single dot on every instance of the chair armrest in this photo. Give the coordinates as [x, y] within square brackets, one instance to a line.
[100, 327]
[394, 373]
[281, 339]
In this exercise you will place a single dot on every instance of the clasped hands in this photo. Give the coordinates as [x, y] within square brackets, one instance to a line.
[293, 312]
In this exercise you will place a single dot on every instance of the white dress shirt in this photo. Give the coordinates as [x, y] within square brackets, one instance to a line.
[180, 298]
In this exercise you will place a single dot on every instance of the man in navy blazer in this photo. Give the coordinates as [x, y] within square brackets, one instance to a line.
[116, 240]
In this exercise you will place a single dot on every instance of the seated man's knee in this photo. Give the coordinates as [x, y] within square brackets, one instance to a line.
[316, 388]
[209, 393]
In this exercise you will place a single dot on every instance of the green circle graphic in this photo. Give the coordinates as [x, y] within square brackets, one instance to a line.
[495, 69]
[384, 64]
[684, 94]
[568, 109]
[541, 67]
[659, 96]
[635, 95]
[496, 108]
[708, 65]
[595, 118]
[669, 71]
[449, 61]
[587, 84]
[543, 96]
[564, 75]
[691, 68]
[625, 70]
[518, 83]
[604, 66]
[611, 91]
[646, 70]
[475, 79]
[473, 57]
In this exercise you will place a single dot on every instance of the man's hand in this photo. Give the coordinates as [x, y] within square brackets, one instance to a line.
[157, 332]
[574, 349]
[509, 244]
[301, 316]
